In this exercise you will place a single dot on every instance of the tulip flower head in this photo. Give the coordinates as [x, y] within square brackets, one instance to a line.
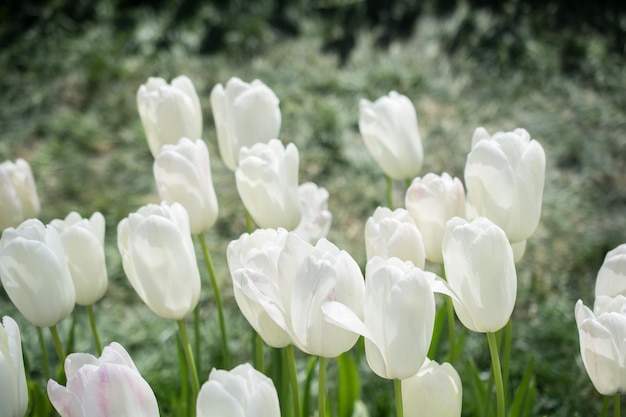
[83, 242]
[241, 392]
[611, 279]
[602, 345]
[169, 111]
[478, 261]
[431, 201]
[108, 386]
[245, 114]
[435, 391]
[159, 259]
[389, 130]
[394, 234]
[267, 182]
[13, 389]
[183, 175]
[504, 175]
[35, 274]
[18, 195]
[316, 218]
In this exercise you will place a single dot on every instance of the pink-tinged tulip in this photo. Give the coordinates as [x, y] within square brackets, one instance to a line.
[241, 392]
[18, 195]
[394, 234]
[398, 317]
[245, 114]
[109, 386]
[159, 259]
[13, 390]
[83, 242]
[435, 391]
[431, 201]
[389, 130]
[478, 260]
[183, 175]
[316, 218]
[35, 274]
[611, 279]
[602, 345]
[267, 182]
[504, 176]
[257, 286]
[169, 111]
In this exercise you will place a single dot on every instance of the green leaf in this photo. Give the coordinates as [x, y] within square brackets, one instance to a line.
[306, 400]
[349, 385]
[524, 395]
[440, 321]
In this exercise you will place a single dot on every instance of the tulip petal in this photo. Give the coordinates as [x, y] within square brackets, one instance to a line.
[66, 404]
[215, 401]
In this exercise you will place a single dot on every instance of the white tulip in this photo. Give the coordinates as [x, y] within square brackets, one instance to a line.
[435, 391]
[13, 389]
[611, 279]
[316, 218]
[18, 195]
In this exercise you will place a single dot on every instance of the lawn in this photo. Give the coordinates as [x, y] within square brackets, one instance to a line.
[68, 108]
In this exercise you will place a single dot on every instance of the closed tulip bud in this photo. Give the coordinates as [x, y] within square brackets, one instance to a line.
[241, 392]
[389, 129]
[479, 266]
[394, 234]
[109, 386]
[504, 175]
[316, 218]
[159, 259]
[323, 274]
[35, 274]
[183, 175]
[435, 391]
[432, 201]
[13, 390]
[611, 279]
[253, 265]
[83, 242]
[245, 114]
[18, 195]
[602, 346]
[169, 111]
[267, 181]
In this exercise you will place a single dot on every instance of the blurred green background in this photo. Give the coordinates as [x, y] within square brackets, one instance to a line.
[71, 69]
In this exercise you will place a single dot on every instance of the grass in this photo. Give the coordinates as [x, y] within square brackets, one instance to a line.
[68, 107]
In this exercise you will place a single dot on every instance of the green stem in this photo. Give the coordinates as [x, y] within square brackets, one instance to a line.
[249, 222]
[497, 372]
[218, 299]
[389, 191]
[605, 406]
[57, 344]
[94, 329]
[258, 351]
[191, 365]
[616, 405]
[506, 359]
[293, 378]
[397, 390]
[44, 354]
[321, 397]
[451, 332]
[197, 338]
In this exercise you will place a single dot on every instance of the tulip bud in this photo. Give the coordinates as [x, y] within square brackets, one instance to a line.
[183, 175]
[435, 391]
[169, 112]
[389, 129]
[14, 393]
[504, 175]
[602, 346]
[83, 242]
[611, 278]
[394, 234]
[159, 259]
[242, 392]
[316, 218]
[245, 114]
[432, 201]
[267, 181]
[35, 274]
[109, 386]
[478, 261]
[18, 196]
[253, 265]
